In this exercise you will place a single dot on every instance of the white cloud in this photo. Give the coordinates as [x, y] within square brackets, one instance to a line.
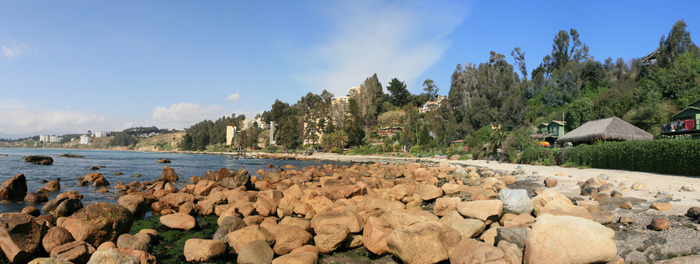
[12, 49]
[21, 119]
[233, 97]
[183, 115]
[395, 39]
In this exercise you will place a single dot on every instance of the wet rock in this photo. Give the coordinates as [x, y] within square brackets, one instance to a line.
[38, 160]
[568, 239]
[659, 224]
[136, 203]
[178, 221]
[31, 210]
[204, 249]
[423, 242]
[515, 201]
[35, 198]
[14, 188]
[20, 236]
[228, 224]
[52, 186]
[76, 252]
[67, 207]
[164, 161]
[98, 222]
[169, 174]
[56, 236]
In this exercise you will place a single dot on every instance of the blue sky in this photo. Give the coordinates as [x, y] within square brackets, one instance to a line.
[70, 66]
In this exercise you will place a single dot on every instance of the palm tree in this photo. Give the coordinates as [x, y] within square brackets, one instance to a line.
[497, 138]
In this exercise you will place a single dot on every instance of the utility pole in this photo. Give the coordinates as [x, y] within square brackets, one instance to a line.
[563, 121]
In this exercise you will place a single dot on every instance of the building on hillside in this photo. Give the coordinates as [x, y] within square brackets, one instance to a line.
[230, 133]
[432, 105]
[549, 132]
[312, 134]
[44, 138]
[272, 133]
[650, 59]
[100, 134]
[249, 123]
[50, 139]
[84, 139]
[390, 131]
[607, 129]
[686, 122]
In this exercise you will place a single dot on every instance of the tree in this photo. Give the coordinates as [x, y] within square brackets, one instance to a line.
[123, 139]
[519, 59]
[567, 47]
[430, 89]
[288, 135]
[353, 128]
[677, 43]
[579, 112]
[398, 92]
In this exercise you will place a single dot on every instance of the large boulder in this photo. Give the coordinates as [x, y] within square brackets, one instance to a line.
[330, 236]
[77, 252]
[135, 202]
[67, 207]
[348, 218]
[227, 225]
[204, 187]
[112, 256]
[35, 198]
[423, 242]
[169, 174]
[238, 179]
[178, 221]
[177, 199]
[290, 237]
[203, 249]
[52, 186]
[469, 228]
[133, 242]
[255, 252]
[56, 236]
[374, 235]
[14, 188]
[515, 201]
[569, 239]
[38, 160]
[482, 209]
[98, 222]
[444, 205]
[472, 251]
[20, 236]
[427, 191]
[239, 238]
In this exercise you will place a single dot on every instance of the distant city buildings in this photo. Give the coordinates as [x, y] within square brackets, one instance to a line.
[50, 139]
[84, 139]
[100, 134]
[249, 123]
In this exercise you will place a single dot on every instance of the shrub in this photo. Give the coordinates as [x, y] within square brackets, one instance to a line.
[662, 156]
[538, 155]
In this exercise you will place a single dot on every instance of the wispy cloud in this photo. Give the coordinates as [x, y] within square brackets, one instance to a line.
[183, 115]
[398, 39]
[19, 118]
[12, 49]
[233, 97]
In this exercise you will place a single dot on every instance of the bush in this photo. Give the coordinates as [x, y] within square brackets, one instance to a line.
[661, 156]
[538, 155]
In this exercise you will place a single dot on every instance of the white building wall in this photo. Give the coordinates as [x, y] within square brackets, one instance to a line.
[84, 139]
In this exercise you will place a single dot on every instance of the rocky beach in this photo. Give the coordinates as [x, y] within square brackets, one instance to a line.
[380, 209]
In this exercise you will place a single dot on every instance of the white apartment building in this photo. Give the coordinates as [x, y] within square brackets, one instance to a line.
[84, 139]
[100, 134]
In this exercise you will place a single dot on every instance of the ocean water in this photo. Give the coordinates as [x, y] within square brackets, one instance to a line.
[129, 163]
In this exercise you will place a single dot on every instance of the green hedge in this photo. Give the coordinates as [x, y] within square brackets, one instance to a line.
[538, 155]
[662, 156]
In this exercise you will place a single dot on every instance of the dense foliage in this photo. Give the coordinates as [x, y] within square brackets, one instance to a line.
[662, 156]
[566, 84]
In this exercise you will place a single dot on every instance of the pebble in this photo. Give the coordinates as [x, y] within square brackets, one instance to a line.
[659, 224]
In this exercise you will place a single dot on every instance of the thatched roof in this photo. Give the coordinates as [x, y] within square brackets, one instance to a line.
[612, 129]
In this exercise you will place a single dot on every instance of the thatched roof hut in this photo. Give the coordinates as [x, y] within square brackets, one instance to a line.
[609, 129]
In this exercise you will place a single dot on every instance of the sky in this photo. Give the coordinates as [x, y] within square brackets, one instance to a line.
[72, 66]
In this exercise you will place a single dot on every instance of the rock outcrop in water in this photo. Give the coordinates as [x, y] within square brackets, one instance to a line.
[38, 160]
[14, 188]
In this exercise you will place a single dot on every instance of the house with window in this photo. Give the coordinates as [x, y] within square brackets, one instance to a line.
[433, 104]
[686, 122]
[549, 132]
